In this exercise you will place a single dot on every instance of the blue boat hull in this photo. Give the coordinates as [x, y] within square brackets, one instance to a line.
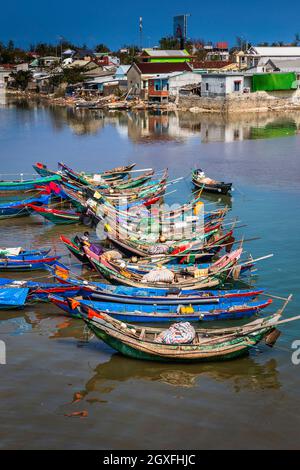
[156, 315]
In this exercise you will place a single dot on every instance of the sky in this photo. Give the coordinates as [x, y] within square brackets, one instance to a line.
[116, 22]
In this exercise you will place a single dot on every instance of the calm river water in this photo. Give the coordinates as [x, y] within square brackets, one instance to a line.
[252, 402]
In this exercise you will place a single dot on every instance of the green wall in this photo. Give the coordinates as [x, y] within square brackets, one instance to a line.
[274, 81]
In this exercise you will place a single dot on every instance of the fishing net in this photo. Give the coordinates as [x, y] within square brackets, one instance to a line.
[159, 275]
[158, 248]
[178, 333]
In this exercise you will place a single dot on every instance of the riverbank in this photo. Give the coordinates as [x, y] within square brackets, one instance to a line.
[232, 105]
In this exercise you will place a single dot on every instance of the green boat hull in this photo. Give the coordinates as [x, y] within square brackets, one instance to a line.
[59, 219]
[137, 354]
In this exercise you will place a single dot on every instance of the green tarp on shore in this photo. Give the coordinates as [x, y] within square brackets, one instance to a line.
[274, 81]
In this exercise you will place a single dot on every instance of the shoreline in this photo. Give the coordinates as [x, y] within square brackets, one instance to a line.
[230, 107]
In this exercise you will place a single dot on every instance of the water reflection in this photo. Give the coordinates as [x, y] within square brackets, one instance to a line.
[243, 374]
[164, 126]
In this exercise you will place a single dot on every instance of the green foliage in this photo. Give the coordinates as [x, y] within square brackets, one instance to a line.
[101, 48]
[128, 58]
[73, 75]
[169, 42]
[21, 79]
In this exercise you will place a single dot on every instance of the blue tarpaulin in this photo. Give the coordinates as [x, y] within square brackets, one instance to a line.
[13, 297]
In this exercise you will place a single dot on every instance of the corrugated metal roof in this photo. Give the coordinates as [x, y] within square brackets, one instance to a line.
[284, 51]
[166, 53]
[163, 67]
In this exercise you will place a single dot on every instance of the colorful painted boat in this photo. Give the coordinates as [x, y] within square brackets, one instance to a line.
[20, 208]
[39, 291]
[212, 344]
[114, 174]
[214, 276]
[58, 217]
[28, 264]
[153, 296]
[43, 170]
[19, 254]
[12, 187]
[137, 313]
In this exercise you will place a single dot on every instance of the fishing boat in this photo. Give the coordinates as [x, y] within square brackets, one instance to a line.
[18, 253]
[15, 187]
[12, 298]
[43, 170]
[210, 185]
[114, 174]
[152, 296]
[20, 208]
[201, 346]
[39, 291]
[58, 217]
[26, 263]
[138, 313]
[181, 248]
[214, 276]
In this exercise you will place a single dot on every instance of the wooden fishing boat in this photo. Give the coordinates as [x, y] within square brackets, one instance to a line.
[18, 253]
[114, 174]
[43, 170]
[120, 184]
[39, 291]
[207, 344]
[13, 298]
[150, 296]
[179, 249]
[138, 313]
[207, 184]
[153, 296]
[58, 217]
[28, 264]
[214, 276]
[20, 208]
[15, 187]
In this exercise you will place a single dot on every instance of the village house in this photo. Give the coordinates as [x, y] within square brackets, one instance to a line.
[258, 56]
[219, 52]
[221, 84]
[139, 74]
[6, 71]
[163, 86]
[224, 84]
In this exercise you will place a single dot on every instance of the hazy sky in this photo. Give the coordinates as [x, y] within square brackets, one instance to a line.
[115, 22]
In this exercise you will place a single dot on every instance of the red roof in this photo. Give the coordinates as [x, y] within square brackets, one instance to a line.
[163, 67]
[210, 64]
[222, 45]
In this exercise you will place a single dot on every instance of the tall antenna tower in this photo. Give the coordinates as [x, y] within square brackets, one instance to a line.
[141, 31]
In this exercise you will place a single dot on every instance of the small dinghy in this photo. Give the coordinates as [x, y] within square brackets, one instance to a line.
[201, 181]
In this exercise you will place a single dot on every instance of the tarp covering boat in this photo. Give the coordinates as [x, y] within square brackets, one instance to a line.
[13, 297]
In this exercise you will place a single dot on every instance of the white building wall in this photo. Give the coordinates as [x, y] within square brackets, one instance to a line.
[214, 85]
[178, 81]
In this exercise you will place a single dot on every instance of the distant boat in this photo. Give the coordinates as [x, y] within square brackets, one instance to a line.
[207, 184]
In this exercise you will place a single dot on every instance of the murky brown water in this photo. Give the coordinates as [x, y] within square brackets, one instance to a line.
[248, 403]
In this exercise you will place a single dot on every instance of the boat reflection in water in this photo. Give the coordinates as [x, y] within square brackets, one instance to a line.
[242, 374]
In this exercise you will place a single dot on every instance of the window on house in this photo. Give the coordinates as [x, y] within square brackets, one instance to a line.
[237, 85]
[206, 86]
